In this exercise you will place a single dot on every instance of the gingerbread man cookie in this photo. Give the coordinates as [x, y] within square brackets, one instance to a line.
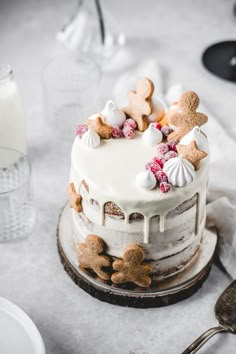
[74, 198]
[91, 255]
[131, 269]
[102, 129]
[191, 153]
[140, 104]
[187, 118]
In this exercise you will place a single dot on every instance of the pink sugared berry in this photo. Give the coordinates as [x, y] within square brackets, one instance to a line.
[170, 155]
[161, 157]
[172, 145]
[158, 126]
[81, 129]
[158, 161]
[116, 132]
[165, 187]
[128, 132]
[161, 176]
[162, 148]
[153, 167]
[131, 123]
[166, 130]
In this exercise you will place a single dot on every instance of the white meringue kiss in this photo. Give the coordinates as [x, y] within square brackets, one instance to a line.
[112, 115]
[152, 135]
[158, 110]
[179, 171]
[197, 135]
[91, 139]
[146, 180]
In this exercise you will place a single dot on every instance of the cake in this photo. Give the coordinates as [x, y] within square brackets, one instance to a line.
[138, 187]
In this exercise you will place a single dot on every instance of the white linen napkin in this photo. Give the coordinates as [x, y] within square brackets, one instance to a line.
[221, 210]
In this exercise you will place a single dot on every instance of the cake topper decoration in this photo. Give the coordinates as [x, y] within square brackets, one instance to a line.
[152, 135]
[158, 110]
[131, 268]
[102, 129]
[128, 132]
[146, 180]
[197, 135]
[80, 130]
[112, 115]
[91, 255]
[191, 153]
[91, 139]
[74, 198]
[187, 118]
[139, 103]
[179, 171]
[173, 108]
[116, 132]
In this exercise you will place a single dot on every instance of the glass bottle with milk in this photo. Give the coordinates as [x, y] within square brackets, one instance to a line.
[12, 118]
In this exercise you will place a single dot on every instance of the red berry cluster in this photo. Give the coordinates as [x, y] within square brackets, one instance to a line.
[128, 130]
[165, 151]
[81, 129]
[166, 130]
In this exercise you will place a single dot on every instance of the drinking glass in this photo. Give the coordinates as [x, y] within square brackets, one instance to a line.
[71, 92]
[92, 29]
[17, 214]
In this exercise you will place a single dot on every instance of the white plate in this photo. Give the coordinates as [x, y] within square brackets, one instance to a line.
[18, 333]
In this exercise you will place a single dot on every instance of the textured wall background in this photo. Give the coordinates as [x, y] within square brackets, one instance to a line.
[31, 275]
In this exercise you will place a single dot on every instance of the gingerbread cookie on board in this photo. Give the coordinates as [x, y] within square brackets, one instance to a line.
[187, 118]
[191, 153]
[91, 255]
[74, 198]
[131, 268]
[140, 104]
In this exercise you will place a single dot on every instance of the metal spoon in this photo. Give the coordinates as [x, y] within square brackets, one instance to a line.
[225, 313]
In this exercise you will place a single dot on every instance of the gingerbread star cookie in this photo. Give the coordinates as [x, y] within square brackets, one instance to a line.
[191, 153]
[102, 129]
[140, 103]
[74, 198]
[131, 268]
[91, 255]
[187, 118]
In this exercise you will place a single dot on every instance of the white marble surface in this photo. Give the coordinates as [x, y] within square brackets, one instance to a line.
[31, 275]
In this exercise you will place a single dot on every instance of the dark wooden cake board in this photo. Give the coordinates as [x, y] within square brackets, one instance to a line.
[161, 293]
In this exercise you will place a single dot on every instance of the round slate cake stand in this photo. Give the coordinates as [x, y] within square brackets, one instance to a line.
[161, 293]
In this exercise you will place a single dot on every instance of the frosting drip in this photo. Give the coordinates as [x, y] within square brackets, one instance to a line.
[110, 174]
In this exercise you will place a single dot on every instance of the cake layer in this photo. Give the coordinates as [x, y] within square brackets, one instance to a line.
[169, 227]
[166, 254]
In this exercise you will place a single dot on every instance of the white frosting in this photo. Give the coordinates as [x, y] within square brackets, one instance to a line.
[91, 139]
[146, 180]
[152, 135]
[197, 135]
[158, 110]
[112, 115]
[180, 172]
[110, 173]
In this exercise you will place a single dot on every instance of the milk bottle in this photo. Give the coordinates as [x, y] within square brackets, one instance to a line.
[12, 119]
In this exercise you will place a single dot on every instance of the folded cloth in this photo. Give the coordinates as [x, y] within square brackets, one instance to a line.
[221, 210]
[225, 222]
